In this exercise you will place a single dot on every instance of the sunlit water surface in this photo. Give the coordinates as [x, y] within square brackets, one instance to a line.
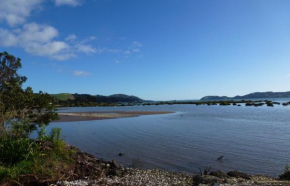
[251, 139]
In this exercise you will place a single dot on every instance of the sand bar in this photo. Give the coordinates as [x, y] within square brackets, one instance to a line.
[86, 116]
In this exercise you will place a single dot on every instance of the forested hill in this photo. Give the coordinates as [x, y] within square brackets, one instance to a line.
[115, 98]
[255, 95]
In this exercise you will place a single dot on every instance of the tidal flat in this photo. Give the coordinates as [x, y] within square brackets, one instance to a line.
[87, 116]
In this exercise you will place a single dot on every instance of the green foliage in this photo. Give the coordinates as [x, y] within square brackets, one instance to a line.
[22, 111]
[13, 171]
[55, 134]
[86, 100]
[63, 96]
[15, 150]
[42, 134]
[18, 104]
[225, 103]
[286, 174]
[42, 157]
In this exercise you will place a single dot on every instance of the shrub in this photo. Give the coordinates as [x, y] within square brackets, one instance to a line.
[286, 174]
[224, 103]
[43, 158]
[15, 150]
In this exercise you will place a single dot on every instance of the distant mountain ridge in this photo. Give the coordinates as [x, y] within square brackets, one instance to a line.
[115, 98]
[254, 95]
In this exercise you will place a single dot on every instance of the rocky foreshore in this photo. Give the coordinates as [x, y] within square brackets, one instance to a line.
[89, 171]
[137, 177]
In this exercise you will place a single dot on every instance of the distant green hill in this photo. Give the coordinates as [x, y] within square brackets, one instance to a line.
[255, 95]
[63, 96]
[115, 98]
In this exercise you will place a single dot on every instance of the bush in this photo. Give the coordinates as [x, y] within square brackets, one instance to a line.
[44, 157]
[286, 174]
[15, 150]
[13, 171]
[224, 103]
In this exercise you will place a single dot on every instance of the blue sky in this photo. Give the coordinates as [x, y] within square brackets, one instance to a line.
[154, 49]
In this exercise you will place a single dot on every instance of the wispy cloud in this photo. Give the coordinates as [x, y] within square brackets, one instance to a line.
[37, 39]
[81, 73]
[108, 50]
[71, 37]
[127, 52]
[88, 49]
[136, 50]
[68, 2]
[16, 12]
[42, 39]
[137, 44]
[288, 75]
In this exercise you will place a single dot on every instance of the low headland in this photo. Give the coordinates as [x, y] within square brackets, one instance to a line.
[254, 95]
[118, 100]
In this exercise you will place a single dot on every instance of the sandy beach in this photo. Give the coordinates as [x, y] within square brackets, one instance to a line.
[87, 116]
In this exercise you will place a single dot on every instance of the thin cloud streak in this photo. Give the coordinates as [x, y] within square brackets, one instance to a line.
[81, 73]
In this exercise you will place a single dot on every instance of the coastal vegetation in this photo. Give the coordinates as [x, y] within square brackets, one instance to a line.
[85, 100]
[21, 112]
[255, 95]
[286, 174]
[255, 103]
[26, 161]
[84, 103]
[46, 159]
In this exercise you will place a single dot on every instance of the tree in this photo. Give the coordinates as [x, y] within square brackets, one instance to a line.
[21, 110]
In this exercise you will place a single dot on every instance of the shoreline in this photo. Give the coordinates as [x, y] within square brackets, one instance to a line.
[115, 174]
[88, 116]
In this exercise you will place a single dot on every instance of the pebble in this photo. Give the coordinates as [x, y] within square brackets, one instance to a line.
[135, 178]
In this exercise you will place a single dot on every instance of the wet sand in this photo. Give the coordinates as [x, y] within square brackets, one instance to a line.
[87, 116]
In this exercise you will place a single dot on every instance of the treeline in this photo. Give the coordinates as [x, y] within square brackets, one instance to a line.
[255, 103]
[90, 101]
[86, 100]
[82, 103]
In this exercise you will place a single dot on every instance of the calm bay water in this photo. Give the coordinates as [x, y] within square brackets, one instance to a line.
[251, 139]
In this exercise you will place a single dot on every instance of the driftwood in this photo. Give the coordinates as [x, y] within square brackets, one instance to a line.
[206, 171]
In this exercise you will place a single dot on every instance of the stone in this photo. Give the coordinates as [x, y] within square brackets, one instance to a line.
[219, 174]
[115, 164]
[237, 174]
[206, 179]
[231, 180]
[116, 172]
